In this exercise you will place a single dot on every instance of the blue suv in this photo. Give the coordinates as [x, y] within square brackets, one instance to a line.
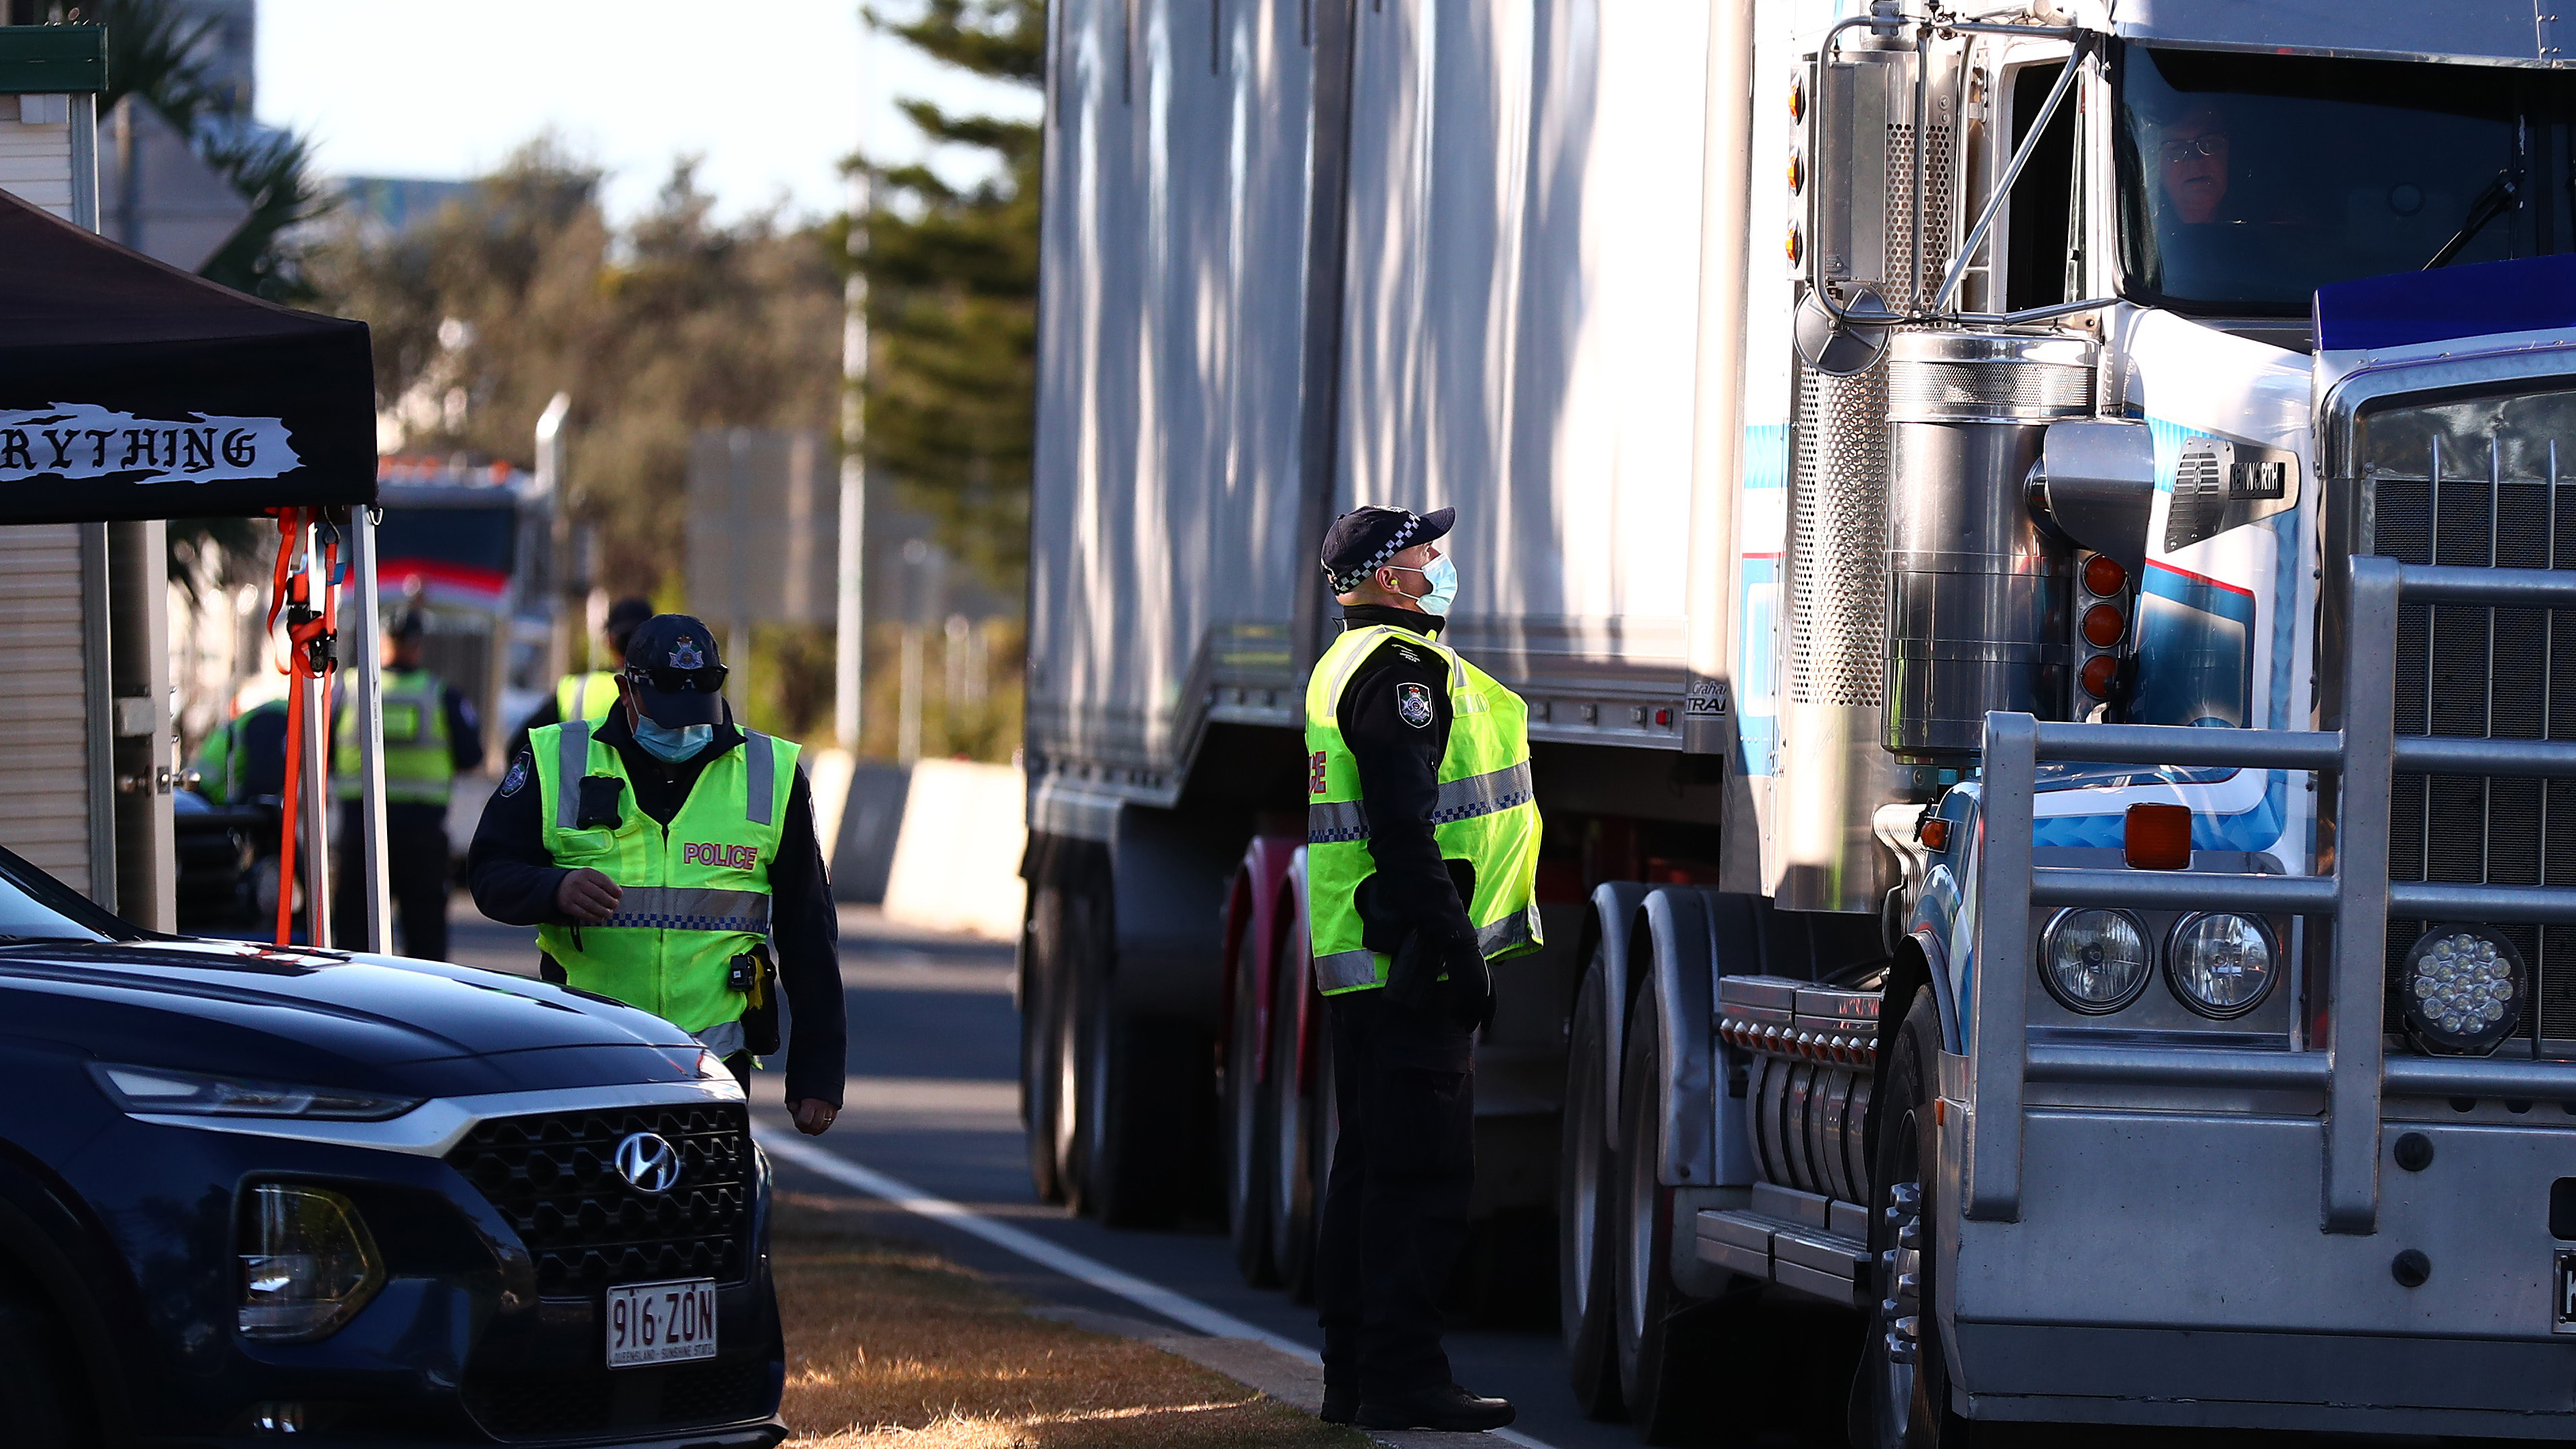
[248, 1193]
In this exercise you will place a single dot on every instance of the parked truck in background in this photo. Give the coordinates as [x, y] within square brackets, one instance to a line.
[2118, 545]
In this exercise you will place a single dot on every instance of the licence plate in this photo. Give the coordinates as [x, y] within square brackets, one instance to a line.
[2563, 1318]
[651, 1323]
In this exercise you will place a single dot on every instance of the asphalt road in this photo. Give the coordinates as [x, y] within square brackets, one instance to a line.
[933, 1100]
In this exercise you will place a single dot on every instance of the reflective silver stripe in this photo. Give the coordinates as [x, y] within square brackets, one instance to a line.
[572, 757]
[1334, 822]
[1486, 794]
[663, 908]
[760, 774]
[1344, 969]
[1503, 935]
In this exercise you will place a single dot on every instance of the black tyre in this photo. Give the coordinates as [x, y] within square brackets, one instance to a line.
[1042, 1047]
[39, 1407]
[1583, 1163]
[1249, 1160]
[1662, 1353]
[1901, 1399]
[1295, 1097]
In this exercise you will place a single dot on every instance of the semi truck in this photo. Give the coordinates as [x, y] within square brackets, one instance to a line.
[2032, 538]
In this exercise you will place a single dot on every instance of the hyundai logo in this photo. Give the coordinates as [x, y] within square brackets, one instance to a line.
[648, 1162]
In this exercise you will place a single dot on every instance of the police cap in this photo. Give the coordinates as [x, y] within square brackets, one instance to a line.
[1362, 540]
[672, 665]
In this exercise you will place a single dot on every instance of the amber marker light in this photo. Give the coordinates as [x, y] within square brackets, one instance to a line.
[2157, 837]
[2103, 576]
[1797, 173]
[2103, 626]
[1797, 100]
[1796, 246]
[1935, 834]
[2101, 672]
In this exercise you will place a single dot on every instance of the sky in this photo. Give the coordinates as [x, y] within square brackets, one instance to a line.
[444, 89]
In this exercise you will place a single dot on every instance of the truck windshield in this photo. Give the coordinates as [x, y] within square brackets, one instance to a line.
[2248, 181]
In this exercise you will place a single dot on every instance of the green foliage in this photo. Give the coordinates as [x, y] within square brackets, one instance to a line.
[952, 297]
[675, 323]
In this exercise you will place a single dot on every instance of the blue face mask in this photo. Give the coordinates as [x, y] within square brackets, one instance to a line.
[1442, 576]
[671, 746]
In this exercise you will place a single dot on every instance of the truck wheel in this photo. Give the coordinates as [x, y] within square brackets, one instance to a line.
[1138, 1114]
[1904, 1380]
[1583, 1293]
[1038, 1071]
[1294, 1180]
[1249, 1160]
[1665, 1361]
[34, 1409]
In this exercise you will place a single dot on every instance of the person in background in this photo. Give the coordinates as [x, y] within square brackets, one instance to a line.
[661, 852]
[245, 759]
[587, 694]
[431, 736]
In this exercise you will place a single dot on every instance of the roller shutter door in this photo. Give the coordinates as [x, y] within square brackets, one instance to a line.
[44, 727]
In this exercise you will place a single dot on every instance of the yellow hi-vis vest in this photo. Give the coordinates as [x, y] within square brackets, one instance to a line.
[586, 696]
[1487, 813]
[418, 767]
[696, 893]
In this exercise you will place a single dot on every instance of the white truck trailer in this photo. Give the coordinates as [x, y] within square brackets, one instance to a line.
[2068, 490]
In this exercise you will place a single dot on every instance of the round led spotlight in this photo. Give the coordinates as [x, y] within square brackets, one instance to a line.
[2095, 961]
[2464, 990]
[2221, 964]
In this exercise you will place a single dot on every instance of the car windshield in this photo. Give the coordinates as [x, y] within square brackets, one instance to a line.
[36, 907]
[2248, 181]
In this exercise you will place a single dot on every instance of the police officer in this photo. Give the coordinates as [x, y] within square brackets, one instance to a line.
[245, 759]
[431, 736]
[660, 852]
[1422, 857]
[589, 693]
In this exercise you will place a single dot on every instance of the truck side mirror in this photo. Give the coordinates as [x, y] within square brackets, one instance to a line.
[2094, 487]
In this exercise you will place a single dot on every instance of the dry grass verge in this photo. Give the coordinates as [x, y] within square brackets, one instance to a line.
[890, 1345]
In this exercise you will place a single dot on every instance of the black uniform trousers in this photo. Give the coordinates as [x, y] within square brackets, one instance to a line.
[1395, 1206]
[417, 866]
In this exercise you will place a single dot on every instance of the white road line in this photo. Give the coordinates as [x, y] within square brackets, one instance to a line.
[1081, 1268]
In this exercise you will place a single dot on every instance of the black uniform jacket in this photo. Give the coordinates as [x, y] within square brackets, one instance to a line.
[514, 881]
[1397, 744]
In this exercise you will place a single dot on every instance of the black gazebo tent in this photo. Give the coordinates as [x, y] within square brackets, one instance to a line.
[131, 390]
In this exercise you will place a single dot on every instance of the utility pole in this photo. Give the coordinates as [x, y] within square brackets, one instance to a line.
[849, 650]
[564, 638]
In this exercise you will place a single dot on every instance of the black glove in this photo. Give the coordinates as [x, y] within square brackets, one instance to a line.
[1470, 984]
[1413, 974]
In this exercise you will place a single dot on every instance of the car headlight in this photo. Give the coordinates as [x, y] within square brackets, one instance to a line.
[308, 1264]
[2464, 989]
[2095, 961]
[2221, 964]
[199, 1094]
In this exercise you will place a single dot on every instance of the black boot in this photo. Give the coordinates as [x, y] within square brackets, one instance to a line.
[1341, 1404]
[1449, 1407]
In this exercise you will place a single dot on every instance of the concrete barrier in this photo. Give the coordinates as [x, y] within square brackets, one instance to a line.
[956, 859]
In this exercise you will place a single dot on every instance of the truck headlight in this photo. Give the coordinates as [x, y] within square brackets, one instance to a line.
[308, 1264]
[2221, 964]
[2095, 961]
[2464, 990]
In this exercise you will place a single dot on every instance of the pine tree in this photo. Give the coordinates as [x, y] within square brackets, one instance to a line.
[952, 297]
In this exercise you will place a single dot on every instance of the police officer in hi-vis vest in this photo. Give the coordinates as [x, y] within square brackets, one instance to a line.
[1422, 852]
[589, 693]
[661, 852]
[431, 737]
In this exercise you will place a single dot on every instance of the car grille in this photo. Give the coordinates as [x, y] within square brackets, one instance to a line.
[2499, 502]
[596, 1400]
[554, 1177]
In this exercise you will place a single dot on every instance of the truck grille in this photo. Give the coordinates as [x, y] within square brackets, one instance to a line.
[2478, 484]
[554, 1176]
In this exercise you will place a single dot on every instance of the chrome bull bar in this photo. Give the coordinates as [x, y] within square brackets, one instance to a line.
[2357, 762]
